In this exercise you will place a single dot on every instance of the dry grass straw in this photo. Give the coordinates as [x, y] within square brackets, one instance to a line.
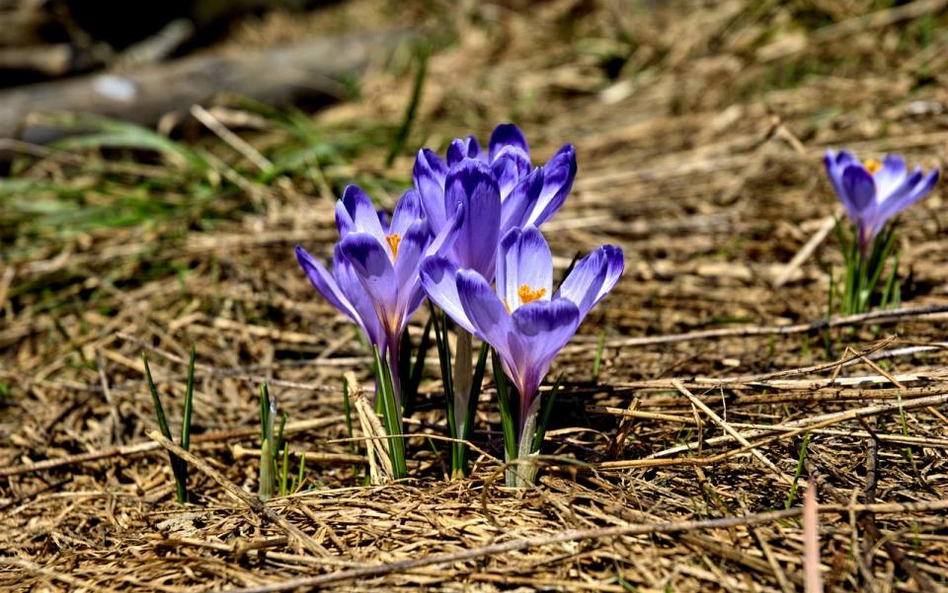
[699, 130]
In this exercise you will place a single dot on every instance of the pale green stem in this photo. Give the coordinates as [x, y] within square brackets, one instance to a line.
[463, 378]
[522, 474]
[267, 477]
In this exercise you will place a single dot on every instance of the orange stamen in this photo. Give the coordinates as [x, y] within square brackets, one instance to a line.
[528, 295]
[393, 240]
[872, 165]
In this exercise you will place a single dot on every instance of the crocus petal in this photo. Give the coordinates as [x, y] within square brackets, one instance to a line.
[429, 177]
[858, 188]
[559, 173]
[344, 222]
[467, 148]
[362, 211]
[439, 278]
[524, 259]
[408, 210]
[889, 177]
[484, 309]
[385, 220]
[472, 185]
[506, 135]
[372, 265]
[592, 278]
[351, 286]
[845, 158]
[520, 204]
[410, 251]
[916, 189]
[509, 166]
[543, 328]
[443, 242]
[324, 283]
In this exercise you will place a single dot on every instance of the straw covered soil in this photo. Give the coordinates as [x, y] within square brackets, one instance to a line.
[699, 128]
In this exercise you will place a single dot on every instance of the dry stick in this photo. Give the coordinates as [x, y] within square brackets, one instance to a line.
[376, 449]
[798, 427]
[761, 379]
[799, 328]
[136, 448]
[572, 535]
[316, 457]
[813, 581]
[900, 387]
[611, 411]
[74, 581]
[235, 141]
[761, 429]
[728, 429]
[254, 503]
[779, 573]
[113, 407]
[872, 464]
[828, 223]
[867, 522]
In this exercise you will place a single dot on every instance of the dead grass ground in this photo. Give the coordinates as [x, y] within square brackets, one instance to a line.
[699, 129]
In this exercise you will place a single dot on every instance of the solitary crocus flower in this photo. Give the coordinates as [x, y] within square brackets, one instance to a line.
[872, 192]
[521, 318]
[374, 277]
[514, 194]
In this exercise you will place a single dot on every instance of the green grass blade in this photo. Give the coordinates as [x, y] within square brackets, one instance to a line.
[477, 383]
[417, 369]
[545, 414]
[279, 438]
[264, 410]
[347, 408]
[177, 465]
[507, 413]
[284, 471]
[159, 409]
[188, 399]
[799, 471]
[391, 416]
[444, 356]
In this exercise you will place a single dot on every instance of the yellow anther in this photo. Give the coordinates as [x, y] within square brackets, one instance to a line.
[393, 240]
[528, 295]
[872, 165]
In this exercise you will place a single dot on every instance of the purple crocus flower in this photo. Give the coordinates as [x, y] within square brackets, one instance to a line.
[521, 318]
[872, 192]
[507, 190]
[374, 277]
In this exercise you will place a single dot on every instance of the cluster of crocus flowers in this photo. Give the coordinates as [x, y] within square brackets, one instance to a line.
[471, 221]
[872, 192]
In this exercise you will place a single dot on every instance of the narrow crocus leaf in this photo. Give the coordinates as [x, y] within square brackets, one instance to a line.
[177, 464]
[545, 413]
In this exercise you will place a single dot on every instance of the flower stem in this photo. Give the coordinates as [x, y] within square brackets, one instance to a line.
[462, 383]
[522, 471]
